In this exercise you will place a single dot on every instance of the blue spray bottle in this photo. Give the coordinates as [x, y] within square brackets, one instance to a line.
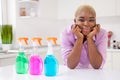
[21, 60]
[50, 62]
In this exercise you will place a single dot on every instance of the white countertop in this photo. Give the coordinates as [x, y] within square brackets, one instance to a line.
[8, 73]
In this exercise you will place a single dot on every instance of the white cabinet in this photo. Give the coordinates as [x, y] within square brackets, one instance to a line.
[108, 63]
[37, 8]
[67, 8]
[116, 60]
[7, 61]
[28, 8]
[113, 59]
[118, 7]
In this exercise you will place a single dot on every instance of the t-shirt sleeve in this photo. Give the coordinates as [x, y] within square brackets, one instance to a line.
[102, 45]
[66, 45]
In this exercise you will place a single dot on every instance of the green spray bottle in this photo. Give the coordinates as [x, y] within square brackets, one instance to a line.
[22, 62]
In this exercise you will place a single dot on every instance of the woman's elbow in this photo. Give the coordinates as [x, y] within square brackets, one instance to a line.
[70, 66]
[97, 67]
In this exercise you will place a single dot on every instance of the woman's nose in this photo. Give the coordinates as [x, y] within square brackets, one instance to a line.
[86, 23]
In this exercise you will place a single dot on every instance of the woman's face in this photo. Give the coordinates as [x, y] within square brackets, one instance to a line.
[86, 21]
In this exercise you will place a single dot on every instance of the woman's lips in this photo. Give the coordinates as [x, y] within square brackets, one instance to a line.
[86, 29]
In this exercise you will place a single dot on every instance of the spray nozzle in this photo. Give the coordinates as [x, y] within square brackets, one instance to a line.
[50, 41]
[38, 40]
[24, 39]
[54, 39]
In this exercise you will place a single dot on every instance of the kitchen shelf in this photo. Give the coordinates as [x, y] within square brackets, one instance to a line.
[28, 8]
[28, 1]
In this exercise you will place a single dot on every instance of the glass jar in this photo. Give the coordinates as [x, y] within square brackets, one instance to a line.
[22, 11]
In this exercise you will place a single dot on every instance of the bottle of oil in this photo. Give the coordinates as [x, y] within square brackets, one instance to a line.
[22, 62]
[50, 61]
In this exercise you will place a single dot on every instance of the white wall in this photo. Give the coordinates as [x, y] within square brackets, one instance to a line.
[37, 27]
[4, 11]
[11, 12]
[48, 8]
[111, 23]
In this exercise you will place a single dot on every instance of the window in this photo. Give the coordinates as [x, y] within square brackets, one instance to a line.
[0, 13]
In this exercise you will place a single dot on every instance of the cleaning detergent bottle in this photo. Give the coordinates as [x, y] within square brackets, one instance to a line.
[22, 63]
[50, 61]
[36, 63]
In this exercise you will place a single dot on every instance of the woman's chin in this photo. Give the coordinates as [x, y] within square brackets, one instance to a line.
[86, 33]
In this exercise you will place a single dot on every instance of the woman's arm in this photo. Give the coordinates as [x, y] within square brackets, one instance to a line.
[74, 56]
[94, 56]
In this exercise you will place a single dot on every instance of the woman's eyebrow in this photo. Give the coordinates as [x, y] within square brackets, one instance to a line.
[81, 17]
[92, 17]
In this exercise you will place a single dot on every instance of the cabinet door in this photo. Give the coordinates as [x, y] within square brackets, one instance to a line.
[104, 7]
[116, 60]
[67, 8]
[108, 63]
[7, 61]
[118, 7]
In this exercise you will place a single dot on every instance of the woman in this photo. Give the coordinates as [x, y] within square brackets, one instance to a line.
[84, 44]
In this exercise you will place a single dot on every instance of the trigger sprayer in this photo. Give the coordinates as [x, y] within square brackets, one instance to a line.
[36, 63]
[21, 59]
[50, 61]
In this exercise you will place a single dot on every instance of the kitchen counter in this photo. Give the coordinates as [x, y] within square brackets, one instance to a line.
[8, 73]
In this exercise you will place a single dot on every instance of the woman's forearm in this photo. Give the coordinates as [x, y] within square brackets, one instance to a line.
[74, 56]
[93, 54]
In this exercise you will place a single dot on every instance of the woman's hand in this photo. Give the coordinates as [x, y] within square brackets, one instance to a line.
[77, 31]
[95, 30]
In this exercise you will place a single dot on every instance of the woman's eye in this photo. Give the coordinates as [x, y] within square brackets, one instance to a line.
[91, 20]
[81, 20]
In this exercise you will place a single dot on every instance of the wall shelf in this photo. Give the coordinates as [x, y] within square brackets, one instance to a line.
[26, 8]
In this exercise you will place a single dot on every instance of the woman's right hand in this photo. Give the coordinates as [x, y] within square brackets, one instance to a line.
[77, 31]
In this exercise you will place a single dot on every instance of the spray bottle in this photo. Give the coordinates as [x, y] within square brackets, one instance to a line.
[50, 61]
[21, 59]
[36, 63]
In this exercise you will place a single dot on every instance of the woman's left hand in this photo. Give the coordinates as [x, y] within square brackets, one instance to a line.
[96, 30]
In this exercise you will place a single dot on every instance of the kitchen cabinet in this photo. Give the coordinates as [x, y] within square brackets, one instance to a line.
[118, 7]
[116, 60]
[7, 61]
[66, 11]
[113, 59]
[28, 8]
[37, 8]
[9, 58]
